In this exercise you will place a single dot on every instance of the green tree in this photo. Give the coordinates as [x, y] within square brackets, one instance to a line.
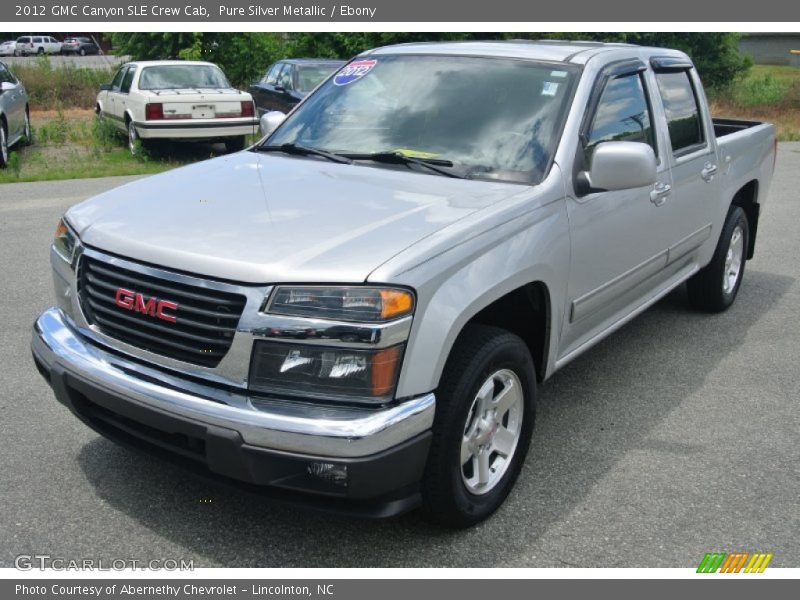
[243, 56]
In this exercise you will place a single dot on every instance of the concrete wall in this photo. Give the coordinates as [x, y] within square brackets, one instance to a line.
[771, 48]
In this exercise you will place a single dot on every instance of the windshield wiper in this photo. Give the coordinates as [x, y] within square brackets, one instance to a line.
[300, 150]
[438, 165]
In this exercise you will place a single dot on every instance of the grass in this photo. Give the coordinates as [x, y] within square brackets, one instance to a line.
[75, 144]
[766, 93]
[64, 87]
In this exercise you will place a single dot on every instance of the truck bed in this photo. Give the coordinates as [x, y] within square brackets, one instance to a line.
[723, 127]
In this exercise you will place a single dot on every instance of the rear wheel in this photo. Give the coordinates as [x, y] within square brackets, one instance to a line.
[135, 144]
[483, 426]
[714, 288]
[82, 52]
[28, 133]
[235, 144]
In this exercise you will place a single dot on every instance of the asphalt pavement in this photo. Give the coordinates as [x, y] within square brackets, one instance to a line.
[676, 436]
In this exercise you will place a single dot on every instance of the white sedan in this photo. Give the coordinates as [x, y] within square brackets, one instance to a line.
[182, 100]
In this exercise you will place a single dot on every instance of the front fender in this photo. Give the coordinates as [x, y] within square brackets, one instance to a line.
[452, 287]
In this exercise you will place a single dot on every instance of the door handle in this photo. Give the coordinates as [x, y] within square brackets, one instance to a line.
[659, 193]
[708, 172]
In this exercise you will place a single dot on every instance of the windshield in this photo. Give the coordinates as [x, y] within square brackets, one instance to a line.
[309, 76]
[173, 77]
[492, 118]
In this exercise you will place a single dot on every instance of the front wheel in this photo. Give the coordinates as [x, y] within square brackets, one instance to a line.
[482, 429]
[82, 52]
[714, 288]
[3, 147]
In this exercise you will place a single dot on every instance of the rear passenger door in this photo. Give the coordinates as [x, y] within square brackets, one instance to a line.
[618, 238]
[692, 156]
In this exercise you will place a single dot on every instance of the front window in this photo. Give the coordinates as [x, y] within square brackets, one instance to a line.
[174, 77]
[492, 118]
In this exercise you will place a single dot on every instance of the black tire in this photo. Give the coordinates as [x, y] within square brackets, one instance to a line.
[707, 289]
[28, 134]
[479, 352]
[82, 51]
[4, 153]
[40, 51]
[235, 144]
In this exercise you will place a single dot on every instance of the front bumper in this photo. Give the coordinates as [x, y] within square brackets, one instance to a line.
[284, 445]
[189, 129]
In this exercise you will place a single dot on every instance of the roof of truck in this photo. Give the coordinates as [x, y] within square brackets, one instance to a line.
[547, 50]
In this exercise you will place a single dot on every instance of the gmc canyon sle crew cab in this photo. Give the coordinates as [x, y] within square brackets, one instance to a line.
[356, 312]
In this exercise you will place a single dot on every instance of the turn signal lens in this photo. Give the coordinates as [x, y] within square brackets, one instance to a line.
[353, 303]
[64, 241]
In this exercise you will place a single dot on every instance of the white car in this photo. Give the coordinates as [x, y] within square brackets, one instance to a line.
[37, 44]
[175, 99]
[8, 48]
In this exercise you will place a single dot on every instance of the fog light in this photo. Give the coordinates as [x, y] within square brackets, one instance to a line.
[335, 474]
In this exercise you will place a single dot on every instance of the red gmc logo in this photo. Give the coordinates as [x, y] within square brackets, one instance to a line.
[130, 300]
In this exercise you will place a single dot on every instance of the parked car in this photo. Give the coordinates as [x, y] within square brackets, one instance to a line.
[15, 122]
[180, 100]
[362, 307]
[8, 48]
[79, 45]
[288, 81]
[37, 44]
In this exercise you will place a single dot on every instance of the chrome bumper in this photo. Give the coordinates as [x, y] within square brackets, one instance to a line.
[290, 426]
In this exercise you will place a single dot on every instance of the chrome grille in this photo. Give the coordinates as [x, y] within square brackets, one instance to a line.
[205, 319]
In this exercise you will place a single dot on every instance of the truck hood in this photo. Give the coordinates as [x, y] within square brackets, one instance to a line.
[266, 218]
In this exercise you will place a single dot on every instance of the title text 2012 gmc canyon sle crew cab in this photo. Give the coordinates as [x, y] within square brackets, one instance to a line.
[357, 311]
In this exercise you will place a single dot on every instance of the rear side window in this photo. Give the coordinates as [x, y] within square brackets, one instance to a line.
[127, 80]
[623, 113]
[5, 75]
[681, 108]
[116, 83]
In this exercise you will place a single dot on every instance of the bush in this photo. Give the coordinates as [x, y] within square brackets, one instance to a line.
[63, 87]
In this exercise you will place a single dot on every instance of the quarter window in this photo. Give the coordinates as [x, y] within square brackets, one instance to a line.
[622, 114]
[681, 108]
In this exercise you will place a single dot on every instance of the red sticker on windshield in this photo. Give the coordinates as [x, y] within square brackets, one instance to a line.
[354, 71]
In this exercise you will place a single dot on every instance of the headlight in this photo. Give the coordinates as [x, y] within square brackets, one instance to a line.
[351, 303]
[318, 372]
[64, 241]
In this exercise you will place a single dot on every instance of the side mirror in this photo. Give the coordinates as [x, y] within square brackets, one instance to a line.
[270, 120]
[280, 88]
[6, 86]
[621, 166]
[105, 87]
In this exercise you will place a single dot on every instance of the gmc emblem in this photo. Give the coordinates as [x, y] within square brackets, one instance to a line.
[153, 307]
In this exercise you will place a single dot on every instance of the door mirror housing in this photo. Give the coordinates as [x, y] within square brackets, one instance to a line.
[270, 120]
[6, 86]
[105, 87]
[621, 166]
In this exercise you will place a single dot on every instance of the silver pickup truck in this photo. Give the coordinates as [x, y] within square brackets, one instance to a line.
[356, 312]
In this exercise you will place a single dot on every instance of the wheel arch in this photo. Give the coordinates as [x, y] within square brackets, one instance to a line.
[746, 197]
